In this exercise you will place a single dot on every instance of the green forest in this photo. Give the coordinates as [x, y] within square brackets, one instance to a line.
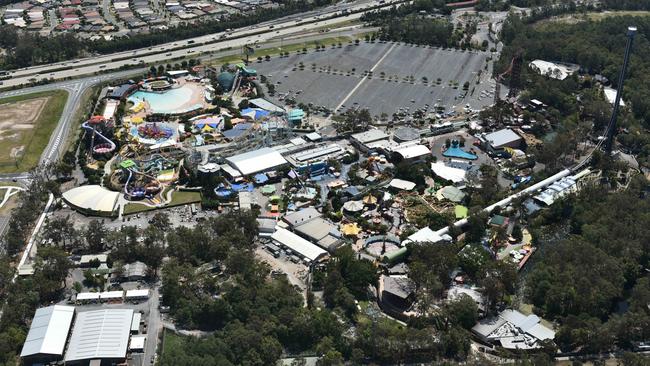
[598, 47]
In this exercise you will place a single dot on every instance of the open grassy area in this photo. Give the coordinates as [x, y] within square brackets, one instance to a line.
[593, 16]
[24, 136]
[171, 342]
[179, 198]
[290, 47]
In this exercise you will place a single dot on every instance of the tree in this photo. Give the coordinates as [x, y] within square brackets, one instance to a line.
[96, 236]
[462, 312]
[243, 104]
[160, 221]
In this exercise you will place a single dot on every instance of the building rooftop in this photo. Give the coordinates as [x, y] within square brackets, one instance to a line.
[502, 137]
[412, 151]
[299, 245]
[100, 334]
[514, 330]
[92, 197]
[370, 136]
[48, 331]
[257, 160]
[300, 217]
[401, 287]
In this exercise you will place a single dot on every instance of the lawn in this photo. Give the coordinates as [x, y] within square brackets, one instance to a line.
[26, 123]
[179, 198]
[287, 47]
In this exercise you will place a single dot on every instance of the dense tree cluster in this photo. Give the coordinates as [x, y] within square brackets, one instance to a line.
[598, 268]
[598, 47]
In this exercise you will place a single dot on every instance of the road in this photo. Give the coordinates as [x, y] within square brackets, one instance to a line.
[108, 15]
[259, 33]
[76, 89]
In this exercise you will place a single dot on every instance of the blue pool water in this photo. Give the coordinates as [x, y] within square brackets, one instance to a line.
[170, 101]
[454, 151]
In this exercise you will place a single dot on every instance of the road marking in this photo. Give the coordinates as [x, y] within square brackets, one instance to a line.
[364, 78]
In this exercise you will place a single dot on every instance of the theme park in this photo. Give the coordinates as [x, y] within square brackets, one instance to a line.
[151, 139]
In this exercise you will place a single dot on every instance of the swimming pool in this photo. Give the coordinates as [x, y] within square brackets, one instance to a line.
[170, 101]
[454, 151]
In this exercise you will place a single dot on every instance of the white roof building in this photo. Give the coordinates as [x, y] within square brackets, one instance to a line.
[297, 244]
[111, 295]
[48, 331]
[256, 161]
[137, 343]
[514, 330]
[559, 71]
[503, 138]
[87, 296]
[402, 184]
[100, 334]
[412, 151]
[449, 173]
[92, 198]
[369, 136]
[135, 294]
[424, 235]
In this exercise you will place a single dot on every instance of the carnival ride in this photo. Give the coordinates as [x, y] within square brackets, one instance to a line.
[153, 131]
[92, 125]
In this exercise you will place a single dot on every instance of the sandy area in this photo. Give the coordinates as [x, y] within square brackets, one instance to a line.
[18, 116]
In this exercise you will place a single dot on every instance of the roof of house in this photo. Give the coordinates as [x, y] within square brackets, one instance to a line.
[298, 244]
[48, 331]
[257, 160]
[100, 334]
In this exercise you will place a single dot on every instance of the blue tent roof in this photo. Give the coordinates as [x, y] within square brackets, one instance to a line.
[257, 112]
[261, 178]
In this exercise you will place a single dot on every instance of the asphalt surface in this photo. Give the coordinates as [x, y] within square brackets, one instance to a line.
[238, 38]
[334, 78]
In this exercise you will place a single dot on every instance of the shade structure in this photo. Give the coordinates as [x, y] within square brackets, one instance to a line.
[351, 229]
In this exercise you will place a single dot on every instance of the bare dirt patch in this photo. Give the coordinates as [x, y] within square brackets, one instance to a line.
[17, 120]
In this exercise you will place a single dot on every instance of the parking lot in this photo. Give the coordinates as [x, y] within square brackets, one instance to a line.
[332, 76]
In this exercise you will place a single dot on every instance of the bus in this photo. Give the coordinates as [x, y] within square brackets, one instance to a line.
[4, 75]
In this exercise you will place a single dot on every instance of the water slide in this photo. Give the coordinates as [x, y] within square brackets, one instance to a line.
[106, 147]
[235, 84]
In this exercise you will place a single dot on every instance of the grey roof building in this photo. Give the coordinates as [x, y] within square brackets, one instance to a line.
[503, 138]
[513, 330]
[302, 216]
[100, 335]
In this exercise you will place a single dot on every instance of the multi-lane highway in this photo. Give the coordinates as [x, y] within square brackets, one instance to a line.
[193, 47]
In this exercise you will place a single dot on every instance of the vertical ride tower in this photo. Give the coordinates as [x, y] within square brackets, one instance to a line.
[611, 129]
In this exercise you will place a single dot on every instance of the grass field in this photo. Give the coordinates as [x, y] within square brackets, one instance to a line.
[290, 47]
[179, 198]
[26, 123]
[593, 16]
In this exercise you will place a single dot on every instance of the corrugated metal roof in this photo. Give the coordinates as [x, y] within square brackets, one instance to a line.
[100, 334]
[412, 151]
[502, 137]
[257, 160]
[298, 244]
[49, 331]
